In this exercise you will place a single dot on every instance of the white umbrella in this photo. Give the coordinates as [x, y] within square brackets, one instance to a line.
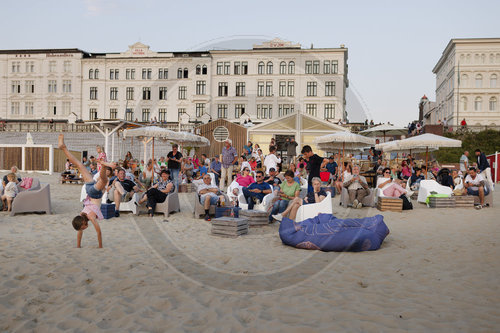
[383, 130]
[193, 140]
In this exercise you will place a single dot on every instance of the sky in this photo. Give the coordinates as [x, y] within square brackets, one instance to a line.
[393, 45]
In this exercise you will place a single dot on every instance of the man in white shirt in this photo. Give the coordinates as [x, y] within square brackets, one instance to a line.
[464, 162]
[208, 195]
[271, 160]
[475, 185]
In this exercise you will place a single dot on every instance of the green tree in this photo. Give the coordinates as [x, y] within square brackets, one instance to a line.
[488, 141]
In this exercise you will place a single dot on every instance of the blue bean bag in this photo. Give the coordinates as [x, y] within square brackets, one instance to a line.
[325, 232]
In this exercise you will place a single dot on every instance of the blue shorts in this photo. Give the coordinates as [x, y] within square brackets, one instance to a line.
[213, 198]
[92, 192]
[476, 192]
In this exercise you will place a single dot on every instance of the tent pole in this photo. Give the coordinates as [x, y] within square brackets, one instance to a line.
[426, 166]
[153, 148]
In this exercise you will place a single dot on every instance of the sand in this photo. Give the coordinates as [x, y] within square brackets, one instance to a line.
[438, 270]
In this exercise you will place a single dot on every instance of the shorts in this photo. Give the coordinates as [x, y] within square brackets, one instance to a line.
[213, 198]
[92, 192]
[476, 192]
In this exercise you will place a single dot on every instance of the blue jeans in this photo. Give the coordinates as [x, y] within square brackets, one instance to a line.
[476, 192]
[250, 195]
[174, 173]
[278, 207]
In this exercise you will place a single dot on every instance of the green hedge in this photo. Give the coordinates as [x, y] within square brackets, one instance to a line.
[488, 141]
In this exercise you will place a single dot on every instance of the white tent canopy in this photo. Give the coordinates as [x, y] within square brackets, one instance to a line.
[344, 140]
[428, 141]
[384, 130]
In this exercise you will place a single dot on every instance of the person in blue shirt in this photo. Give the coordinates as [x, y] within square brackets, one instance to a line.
[257, 190]
[216, 167]
[331, 166]
[416, 178]
[203, 170]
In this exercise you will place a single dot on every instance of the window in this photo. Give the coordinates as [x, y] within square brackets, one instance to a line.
[66, 66]
[30, 87]
[129, 115]
[162, 93]
[52, 109]
[244, 67]
[269, 67]
[162, 115]
[198, 70]
[291, 67]
[93, 114]
[237, 67]
[264, 111]
[145, 115]
[285, 109]
[162, 73]
[312, 109]
[227, 68]
[113, 74]
[144, 73]
[127, 74]
[180, 112]
[326, 67]
[239, 109]
[200, 109]
[66, 86]
[185, 73]
[316, 67]
[53, 86]
[66, 108]
[113, 113]
[14, 108]
[223, 88]
[493, 104]
[240, 88]
[464, 103]
[282, 88]
[269, 89]
[291, 88]
[260, 89]
[93, 93]
[464, 82]
[31, 65]
[182, 92]
[16, 87]
[329, 111]
[146, 93]
[16, 66]
[179, 73]
[28, 108]
[335, 66]
[113, 93]
[312, 88]
[219, 68]
[493, 81]
[282, 67]
[330, 88]
[130, 74]
[130, 93]
[308, 67]
[222, 111]
[52, 66]
[478, 104]
[96, 74]
[221, 134]
[201, 87]
[260, 68]
[479, 81]
[204, 70]
[91, 74]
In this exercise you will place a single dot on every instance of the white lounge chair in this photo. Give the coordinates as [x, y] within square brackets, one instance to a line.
[428, 186]
[308, 211]
[263, 206]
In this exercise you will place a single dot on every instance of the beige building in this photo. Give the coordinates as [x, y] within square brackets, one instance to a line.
[467, 76]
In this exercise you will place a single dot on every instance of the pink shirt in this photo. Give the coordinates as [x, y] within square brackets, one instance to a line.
[244, 180]
[90, 207]
[102, 157]
[406, 172]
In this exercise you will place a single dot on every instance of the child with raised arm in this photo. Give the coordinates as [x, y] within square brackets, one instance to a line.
[92, 204]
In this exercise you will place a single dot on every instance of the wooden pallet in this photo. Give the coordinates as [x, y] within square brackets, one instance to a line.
[229, 226]
[464, 201]
[255, 218]
[436, 202]
[390, 204]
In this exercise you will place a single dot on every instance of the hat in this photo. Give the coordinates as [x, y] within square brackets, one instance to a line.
[272, 169]
[331, 157]
[229, 140]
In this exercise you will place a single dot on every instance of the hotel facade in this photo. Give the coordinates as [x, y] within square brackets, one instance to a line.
[269, 81]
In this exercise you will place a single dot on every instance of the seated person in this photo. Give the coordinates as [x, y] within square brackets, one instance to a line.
[357, 187]
[273, 179]
[430, 175]
[257, 190]
[5, 180]
[209, 195]
[331, 167]
[187, 169]
[121, 189]
[405, 171]
[339, 183]
[203, 170]
[10, 192]
[243, 179]
[475, 184]
[457, 179]
[416, 178]
[158, 192]
[444, 178]
[289, 190]
[381, 167]
[390, 187]
[316, 196]
[93, 168]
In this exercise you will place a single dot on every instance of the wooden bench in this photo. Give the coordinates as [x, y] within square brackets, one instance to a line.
[436, 202]
[390, 204]
[464, 201]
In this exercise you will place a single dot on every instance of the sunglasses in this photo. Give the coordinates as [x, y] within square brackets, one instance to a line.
[258, 176]
[387, 172]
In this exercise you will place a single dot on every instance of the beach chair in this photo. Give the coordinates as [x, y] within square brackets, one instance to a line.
[368, 201]
[230, 189]
[35, 199]
[170, 205]
[428, 186]
[264, 206]
[308, 211]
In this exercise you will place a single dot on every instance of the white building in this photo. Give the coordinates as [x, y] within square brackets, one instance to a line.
[476, 61]
[271, 80]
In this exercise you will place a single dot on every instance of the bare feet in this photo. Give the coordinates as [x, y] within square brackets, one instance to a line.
[60, 143]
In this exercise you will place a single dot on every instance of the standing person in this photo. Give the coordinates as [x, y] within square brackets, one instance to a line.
[464, 162]
[229, 158]
[315, 164]
[484, 168]
[291, 149]
[101, 156]
[271, 160]
[174, 159]
[463, 123]
[86, 162]
[215, 168]
[331, 166]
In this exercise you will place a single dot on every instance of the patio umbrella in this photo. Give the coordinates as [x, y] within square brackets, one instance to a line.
[149, 133]
[384, 129]
[428, 142]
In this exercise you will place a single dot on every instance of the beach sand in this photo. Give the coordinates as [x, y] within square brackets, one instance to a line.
[438, 270]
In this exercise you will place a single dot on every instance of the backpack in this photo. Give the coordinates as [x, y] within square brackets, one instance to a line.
[407, 205]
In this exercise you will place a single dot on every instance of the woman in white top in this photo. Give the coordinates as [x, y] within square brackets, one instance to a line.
[389, 187]
[147, 175]
[339, 184]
